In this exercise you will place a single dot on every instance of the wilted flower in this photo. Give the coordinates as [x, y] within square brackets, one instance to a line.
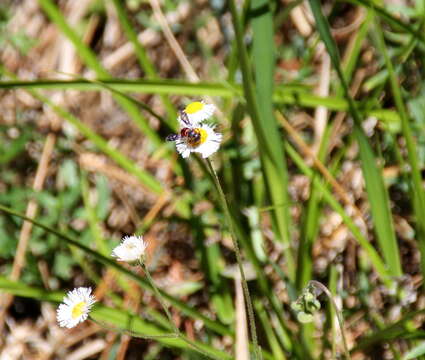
[75, 307]
[131, 249]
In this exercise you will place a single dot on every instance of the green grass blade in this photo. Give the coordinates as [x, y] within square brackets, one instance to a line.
[373, 256]
[145, 178]
[143, 58]
[272, 156]
[277, 351]
[330, 319]
[379, 202]
[133, 100]
[377, 193]
[264, 64]
[92, 218]
[142, 86]
[418, 195]
[84, 51]
[417, 351]
[263, 54]
[310, 226]
[404, 327]
[90, 60]
[351, 59]
[288, 95]
[391, 19]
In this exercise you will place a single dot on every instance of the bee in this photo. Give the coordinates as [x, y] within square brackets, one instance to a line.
[188, 134]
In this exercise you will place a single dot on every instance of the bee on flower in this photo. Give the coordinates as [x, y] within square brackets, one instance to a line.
[194, 136]
[75, 307]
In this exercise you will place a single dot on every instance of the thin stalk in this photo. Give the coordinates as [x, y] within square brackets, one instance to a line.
[226, 210]
[176, 330]
[108, 327]
[158, 296]
[317, 284]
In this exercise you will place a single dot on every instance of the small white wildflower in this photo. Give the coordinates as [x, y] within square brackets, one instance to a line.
[197, 112]
[202, 139]
[131, 249]
[75, 307]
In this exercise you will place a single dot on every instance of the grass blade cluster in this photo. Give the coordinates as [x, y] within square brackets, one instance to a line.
[377, 193]
[90, 59]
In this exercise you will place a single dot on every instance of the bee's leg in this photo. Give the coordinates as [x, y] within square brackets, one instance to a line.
[185, 118]
[172, 137]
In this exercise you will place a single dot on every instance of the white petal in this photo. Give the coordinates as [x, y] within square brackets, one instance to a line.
[211, 144]
[131, 249]
[196, 118]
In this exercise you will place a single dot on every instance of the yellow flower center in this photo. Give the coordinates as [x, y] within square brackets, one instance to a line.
[78, 309]
[198, 137]
[194, 107]
[204, 136]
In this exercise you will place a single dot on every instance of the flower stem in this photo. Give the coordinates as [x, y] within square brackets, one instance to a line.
[159, 297]
[317, 284]
[225, 205]
[109, 327]
[176, 330]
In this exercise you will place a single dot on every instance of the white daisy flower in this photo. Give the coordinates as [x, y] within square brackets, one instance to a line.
[75, 307]
[201, 139]
[131, 249]
[197, 112]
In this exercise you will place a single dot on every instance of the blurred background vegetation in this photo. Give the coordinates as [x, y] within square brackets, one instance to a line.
[322, 108]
